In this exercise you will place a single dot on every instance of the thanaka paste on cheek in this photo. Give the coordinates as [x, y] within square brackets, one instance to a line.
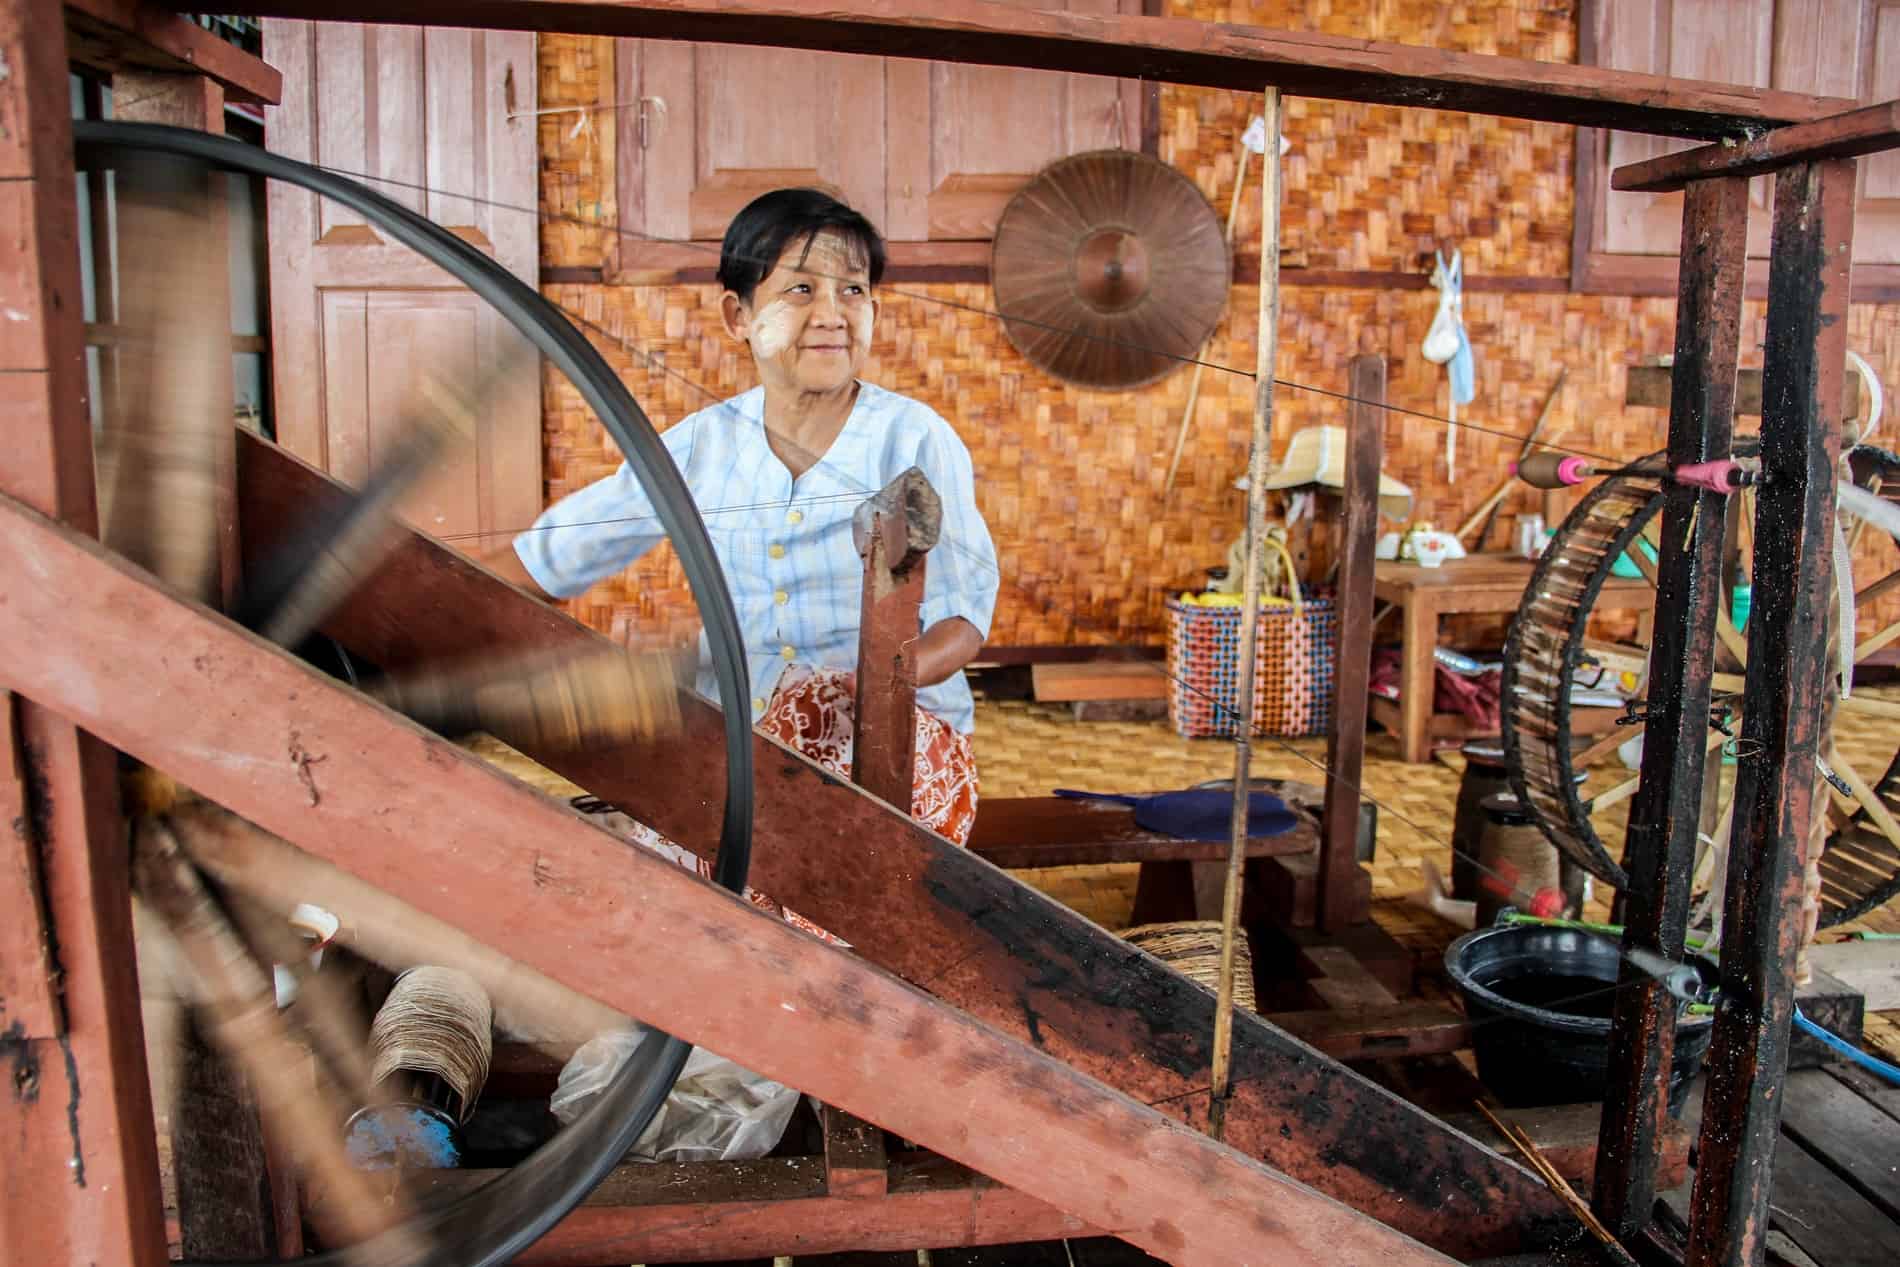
[861, 318]
[772, 329]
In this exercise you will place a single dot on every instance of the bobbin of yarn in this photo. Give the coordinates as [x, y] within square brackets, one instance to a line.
[430, 1047]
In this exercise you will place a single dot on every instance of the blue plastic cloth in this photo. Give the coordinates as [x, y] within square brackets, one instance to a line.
[1199, 814]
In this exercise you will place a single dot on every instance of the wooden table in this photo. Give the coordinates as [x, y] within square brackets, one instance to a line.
[1481, 584]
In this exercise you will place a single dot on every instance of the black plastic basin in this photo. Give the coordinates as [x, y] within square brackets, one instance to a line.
[1540, 1000]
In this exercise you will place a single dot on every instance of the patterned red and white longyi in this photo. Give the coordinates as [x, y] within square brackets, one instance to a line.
[813, 710]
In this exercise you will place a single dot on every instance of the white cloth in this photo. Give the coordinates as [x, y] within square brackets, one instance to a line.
[785, 545]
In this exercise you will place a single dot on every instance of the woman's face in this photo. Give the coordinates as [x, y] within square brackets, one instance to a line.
[809, 322]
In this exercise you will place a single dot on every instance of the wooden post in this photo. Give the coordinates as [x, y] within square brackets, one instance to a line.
[1343, 896]
[1259, 460]
[81, 1162]
[1784, 729]
[1666, 811]
[894, 531]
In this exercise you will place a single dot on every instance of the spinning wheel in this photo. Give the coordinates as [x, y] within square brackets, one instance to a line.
[1551, 647]
[157, 505]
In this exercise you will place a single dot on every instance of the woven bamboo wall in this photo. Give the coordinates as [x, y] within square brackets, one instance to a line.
[1070, 480]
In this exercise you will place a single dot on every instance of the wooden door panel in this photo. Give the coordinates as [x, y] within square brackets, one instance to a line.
[409, 334]
[344, 358]
[1840, 48]
[716, 125]
[1877, 223]
[1724, 41]
[990, 129]
[427, 116]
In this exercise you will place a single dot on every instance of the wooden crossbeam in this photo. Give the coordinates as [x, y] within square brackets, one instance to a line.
[110, 35]
[1170, 50]
[933, 914]
[306, 758]
[1848, 135]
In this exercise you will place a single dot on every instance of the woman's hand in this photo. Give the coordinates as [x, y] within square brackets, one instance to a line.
[944, 648]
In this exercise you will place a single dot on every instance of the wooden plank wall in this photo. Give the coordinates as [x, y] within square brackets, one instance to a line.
[1070, 480]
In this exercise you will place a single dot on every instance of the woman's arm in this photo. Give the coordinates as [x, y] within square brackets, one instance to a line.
[506, 564]
[944, 648]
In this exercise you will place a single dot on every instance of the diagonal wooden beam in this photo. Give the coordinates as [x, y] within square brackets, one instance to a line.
[947, 921]
[1849, 135]
[1170, 50]
[95, 639]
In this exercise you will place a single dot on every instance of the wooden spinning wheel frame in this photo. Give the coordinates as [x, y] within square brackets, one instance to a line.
[157, 499]
[1550, 643]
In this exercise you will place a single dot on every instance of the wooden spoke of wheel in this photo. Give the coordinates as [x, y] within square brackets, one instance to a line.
[237, 999]
[1724, 626]
[1608, 744]
[1627, 788]
[1870, 800]
[1879, 589]
[1874, 642]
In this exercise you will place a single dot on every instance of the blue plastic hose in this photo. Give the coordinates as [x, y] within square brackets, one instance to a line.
[1872, 1064]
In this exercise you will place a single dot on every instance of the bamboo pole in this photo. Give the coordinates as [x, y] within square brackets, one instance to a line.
[1257, 464]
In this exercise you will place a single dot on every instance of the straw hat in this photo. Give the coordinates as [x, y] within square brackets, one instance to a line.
[1317, 455]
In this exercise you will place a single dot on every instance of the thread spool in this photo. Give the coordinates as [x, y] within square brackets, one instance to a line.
[1545, 469]
[1515, 861]
[1485, 774]
[430, 1047]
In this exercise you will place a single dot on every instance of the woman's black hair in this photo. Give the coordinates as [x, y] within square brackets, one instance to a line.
[759, 234]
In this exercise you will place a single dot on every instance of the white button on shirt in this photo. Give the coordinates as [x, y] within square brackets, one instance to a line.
[795, 575]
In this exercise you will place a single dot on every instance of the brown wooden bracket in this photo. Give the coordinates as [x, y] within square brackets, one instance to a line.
[1849, 135]
[916, 905]
[403, 809]
[29, 990]
[1169, 50]
[894, 532]
[855, 1163]
[113, 35]
[1343, 897]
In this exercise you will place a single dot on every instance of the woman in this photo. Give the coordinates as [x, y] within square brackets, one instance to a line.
[777, 472]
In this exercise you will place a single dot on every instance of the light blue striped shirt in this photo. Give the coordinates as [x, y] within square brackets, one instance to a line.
[785, 544]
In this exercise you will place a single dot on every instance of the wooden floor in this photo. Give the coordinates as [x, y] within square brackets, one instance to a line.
[1836, 1196]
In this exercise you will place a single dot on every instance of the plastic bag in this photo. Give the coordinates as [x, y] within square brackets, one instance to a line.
[717, 1111]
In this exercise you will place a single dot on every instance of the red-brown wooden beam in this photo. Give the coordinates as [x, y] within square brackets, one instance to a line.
[310, 760]
[75, 1113]
[1665, 814]
[725, 1211]
[1788, 694]
[1343, 895]
[110, 35]
[894, 532]
[919, 907]
[1849, 135]
[1168, 50]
